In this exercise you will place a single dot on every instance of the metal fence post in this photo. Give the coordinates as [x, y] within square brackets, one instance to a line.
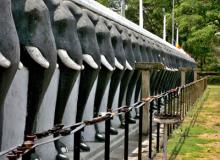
[77, 140]
[140, 134]
[107, 139]
[158, 125]
[145, 92]
[169, 112]
[150, 130]
[126, 139]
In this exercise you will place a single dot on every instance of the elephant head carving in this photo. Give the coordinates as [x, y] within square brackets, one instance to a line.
[38, 51]
[9, 49]
[88, 39]
[128, 49]
[105, 45]
[148, 46]
[142, 43]
[90, 53]
[135, 46]
[117, 43]
[65, 33]
[9, 52]
[69, 51]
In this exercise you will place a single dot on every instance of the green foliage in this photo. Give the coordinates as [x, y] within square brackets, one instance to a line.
[198, 21]
[103, 2]
[197, 136]
[214, 80]
[113, 4]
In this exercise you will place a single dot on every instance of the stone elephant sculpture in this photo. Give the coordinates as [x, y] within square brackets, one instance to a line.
[9, 54]
[136, 75]
[69, 51]
[127, 45]
[146, 57]
[107, 68]
[91, 58]
[38, 52]
[120, 64]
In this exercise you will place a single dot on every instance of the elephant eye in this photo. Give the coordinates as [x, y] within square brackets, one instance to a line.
[33, 20]
[61, 25]
[34, 15]
[133, 46]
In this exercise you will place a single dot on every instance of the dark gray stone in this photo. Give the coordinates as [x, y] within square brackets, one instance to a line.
[33, 25]
[9, 48]
[107, 66]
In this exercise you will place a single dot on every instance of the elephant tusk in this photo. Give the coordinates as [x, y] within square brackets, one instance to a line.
[4, 62]
[106, 63]
[90, 61]
[20, 66]
[167, 68]
[82, 67]
[128, 66]
[37, 56]
[67, 61]
[118, 64]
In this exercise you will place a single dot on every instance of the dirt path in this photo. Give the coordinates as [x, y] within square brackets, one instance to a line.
[199, 136]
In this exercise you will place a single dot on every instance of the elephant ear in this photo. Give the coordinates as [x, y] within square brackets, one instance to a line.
[94, 17]
[77, 11]
[119, 28]
[36, 55]
[4, 62]
[108, 24]
[52, 3]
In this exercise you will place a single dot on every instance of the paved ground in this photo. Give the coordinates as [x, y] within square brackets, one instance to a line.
[117, 154]
[117, 146]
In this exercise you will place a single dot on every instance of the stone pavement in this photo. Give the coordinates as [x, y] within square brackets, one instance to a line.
[117, 154]
[117, 146]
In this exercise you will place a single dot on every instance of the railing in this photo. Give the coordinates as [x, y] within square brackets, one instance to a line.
[177, 101]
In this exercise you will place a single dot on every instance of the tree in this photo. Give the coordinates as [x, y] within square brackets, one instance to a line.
[112, 4]
[198, 21]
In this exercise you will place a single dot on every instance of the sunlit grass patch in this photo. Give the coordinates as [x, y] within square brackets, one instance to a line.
[198, 137]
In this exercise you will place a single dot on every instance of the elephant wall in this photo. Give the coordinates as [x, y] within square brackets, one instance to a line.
[63, 62]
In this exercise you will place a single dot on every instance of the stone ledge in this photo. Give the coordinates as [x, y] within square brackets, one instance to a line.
[185, 69]
[149, 66]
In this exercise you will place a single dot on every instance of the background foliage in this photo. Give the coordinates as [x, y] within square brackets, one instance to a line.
[198, 21]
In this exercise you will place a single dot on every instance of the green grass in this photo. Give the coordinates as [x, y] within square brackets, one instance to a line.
[188, 141]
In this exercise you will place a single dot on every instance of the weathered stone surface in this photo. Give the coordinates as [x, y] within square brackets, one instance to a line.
[149, 66]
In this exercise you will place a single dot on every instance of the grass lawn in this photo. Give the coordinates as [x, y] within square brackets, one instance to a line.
[199, 135]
